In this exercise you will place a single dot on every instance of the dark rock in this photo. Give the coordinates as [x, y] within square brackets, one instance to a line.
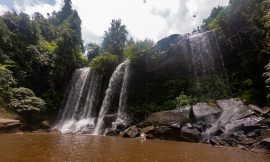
[263, 146]
[265, 133]
[228, 123]
[266, 142]
[45, 124]
[233, 109]
[252, 134]
[258, 110]
[110, 118]
[215, 140]
[248, 141]
[191, 134]
[119, 124]
[166, 133]
[147, 129]
[184, 110]
[166, 118]
[200, 126]
[188, 125]
[168, 41]
[205, 112]
[247, 124]
[112, 132]
[234, 117]
[131, 132]
[10, 125]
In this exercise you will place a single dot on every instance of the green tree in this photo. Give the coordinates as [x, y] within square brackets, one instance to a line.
[115, 38]
[92, 50]
[66, 10]
[240, 29]
[103, 63]
[6, 82]
[24, 99]
[133, 50]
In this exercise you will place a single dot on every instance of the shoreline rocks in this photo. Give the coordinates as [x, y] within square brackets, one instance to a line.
[224, 123]
[10, 125]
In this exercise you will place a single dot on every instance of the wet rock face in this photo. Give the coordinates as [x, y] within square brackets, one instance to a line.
[9, 125]
[166, 118]
[266, 143]
[226, 122]
[205, 112]
[131, 132]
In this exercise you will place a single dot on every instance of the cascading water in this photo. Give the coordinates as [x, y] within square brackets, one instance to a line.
[79, 112]
[205, 53]
[82, 114]
[207, 64]
[122, 117]
[118, 81]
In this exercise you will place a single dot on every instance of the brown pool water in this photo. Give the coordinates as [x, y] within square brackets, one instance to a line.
[87, 148]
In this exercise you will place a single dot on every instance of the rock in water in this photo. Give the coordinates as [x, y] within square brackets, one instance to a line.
[131, 132]
[9, 125]
[266, 142]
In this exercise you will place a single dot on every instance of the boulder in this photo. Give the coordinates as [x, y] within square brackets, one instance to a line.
[10, 125]
[147, 129]
[112, 132]
[263, 146]
[165, 118]
[131, 132]
[110, 118]
[258, 110]
[205, 112]
[233, 109]
[190, 134]
[266, 143]
[265, 133]
[229, 122]
[234, 117]
[248, 124]
[184, 110]
[165, 133]
[119, 122]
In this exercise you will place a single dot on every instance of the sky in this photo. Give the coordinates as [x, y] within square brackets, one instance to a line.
[152, 19]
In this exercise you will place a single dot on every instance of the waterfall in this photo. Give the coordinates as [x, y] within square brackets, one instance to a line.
[207, 64]
[118, 81]
[84, 112]
[79, 111]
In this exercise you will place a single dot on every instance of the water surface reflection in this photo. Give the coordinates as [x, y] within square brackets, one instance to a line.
[87, 148]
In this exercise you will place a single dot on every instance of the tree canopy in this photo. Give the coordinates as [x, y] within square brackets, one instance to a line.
[40, 54]
[115, 38]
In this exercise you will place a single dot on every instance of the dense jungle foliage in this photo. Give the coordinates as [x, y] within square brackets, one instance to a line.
[244, 27]
[38, 56]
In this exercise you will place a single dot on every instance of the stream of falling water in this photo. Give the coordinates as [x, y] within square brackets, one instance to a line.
[119, 79]
[81, 102]
[81, 112]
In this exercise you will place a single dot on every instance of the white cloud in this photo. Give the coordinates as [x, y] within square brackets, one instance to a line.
[183, 20]
[30, 6]
[3, 9]
[154, 19]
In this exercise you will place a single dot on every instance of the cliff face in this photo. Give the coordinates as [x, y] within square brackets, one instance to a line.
[191, 65]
